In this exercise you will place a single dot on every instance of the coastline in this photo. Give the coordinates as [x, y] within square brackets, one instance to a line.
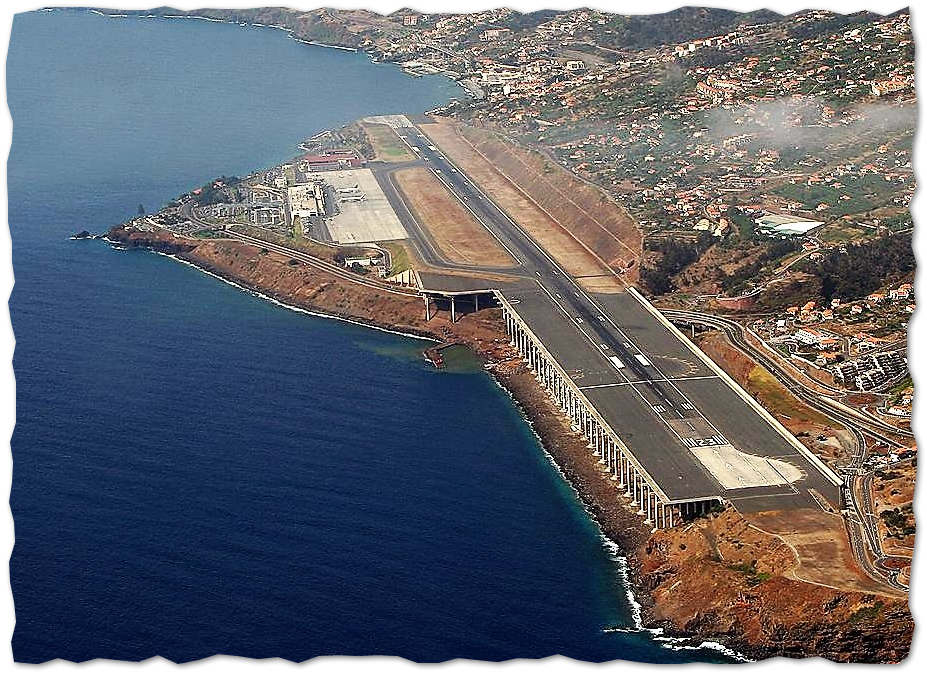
[619, 530]
[678, 589]
[257, 24]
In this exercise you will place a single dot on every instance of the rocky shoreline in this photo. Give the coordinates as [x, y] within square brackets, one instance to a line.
[720, 602]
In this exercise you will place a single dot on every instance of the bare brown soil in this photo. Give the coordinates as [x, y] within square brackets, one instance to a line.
[459, 236]
[720, 575]
[821, 547]
[588, 213]
[895, 489]
[802, 421]
[580, 261]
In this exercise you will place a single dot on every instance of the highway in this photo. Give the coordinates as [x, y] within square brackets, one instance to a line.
[862, 521]
[875, 428]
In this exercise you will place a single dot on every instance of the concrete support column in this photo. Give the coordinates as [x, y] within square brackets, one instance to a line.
[427, 309]
[453, 310]
[476, 302]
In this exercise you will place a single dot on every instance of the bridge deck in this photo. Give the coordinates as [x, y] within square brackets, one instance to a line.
[666, 413]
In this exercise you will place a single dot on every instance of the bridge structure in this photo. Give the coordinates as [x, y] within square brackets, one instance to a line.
[679, 463]
[677, 434]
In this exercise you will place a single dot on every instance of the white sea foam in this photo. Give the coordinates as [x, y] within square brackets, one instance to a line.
[708, 646]
[621, 562]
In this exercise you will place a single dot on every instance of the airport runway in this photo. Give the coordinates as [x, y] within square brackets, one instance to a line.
[676, 413]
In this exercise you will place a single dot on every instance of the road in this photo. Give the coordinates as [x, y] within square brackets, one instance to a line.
[312, 261]
[600, 328]
[862, 520]
[876, 428]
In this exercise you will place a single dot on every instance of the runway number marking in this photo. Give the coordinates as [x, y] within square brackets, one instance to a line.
[713, 441]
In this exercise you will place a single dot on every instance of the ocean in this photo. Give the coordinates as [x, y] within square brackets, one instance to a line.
[200, 471]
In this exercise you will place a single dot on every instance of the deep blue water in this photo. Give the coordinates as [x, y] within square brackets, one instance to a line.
[198, 471]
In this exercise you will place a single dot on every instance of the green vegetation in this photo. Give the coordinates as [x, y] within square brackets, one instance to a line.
[855, 270]
[208, 234]
[841, 232]
[399, 257]
[867, 612]
[777, 399]
[745, 225]
[675, 255]
[753, 576]
[303, 244]
[773, 251]
[387, 145]
[896, 521]
[216, 191]
[865, 193]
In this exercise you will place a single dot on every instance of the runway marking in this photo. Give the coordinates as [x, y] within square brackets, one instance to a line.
[685, 406]
[713, 441]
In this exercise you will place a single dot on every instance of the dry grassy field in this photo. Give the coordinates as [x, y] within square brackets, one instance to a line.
[386, 144]
[586, 211]
[819, 542]
[577, 258]
[459, 236]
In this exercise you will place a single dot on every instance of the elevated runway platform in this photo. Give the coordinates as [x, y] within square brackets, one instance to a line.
[655, 406]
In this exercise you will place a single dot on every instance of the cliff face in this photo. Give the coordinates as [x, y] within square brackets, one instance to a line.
[721, 576]
[718, 577]
[274, 275]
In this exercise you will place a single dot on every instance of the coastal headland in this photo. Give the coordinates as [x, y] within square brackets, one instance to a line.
[715, 578]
